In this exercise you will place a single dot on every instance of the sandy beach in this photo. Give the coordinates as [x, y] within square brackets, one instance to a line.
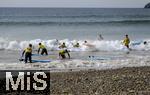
[124, 81]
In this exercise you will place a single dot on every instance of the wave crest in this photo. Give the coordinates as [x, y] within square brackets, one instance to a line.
[114, 45]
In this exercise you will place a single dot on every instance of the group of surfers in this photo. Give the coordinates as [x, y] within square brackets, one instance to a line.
[62, 53]
[28, 51]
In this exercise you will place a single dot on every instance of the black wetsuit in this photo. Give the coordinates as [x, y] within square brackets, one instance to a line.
[28, 57]
[44, 50]
[28, 54]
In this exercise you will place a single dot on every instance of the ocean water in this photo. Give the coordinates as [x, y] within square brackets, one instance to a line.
[74, 23]
[21, 26]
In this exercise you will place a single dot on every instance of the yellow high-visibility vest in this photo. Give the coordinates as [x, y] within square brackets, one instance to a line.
[62, 52]
[28, 50]
[41, 46]
[126, 41]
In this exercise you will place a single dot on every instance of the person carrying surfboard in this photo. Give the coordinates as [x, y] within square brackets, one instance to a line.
[44, 50]
[126, 42]
[28, 54]
[62, 54]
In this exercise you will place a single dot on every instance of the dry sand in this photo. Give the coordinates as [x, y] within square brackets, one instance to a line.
[124, 81]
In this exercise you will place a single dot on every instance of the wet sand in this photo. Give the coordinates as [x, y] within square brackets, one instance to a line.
[124, 81]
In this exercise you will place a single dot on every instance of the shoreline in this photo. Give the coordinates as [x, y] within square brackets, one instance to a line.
[122, 81]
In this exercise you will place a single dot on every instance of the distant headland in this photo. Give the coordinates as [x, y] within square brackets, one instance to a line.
[147, 5]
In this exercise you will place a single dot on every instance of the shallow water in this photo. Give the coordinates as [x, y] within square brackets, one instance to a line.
[78, 61]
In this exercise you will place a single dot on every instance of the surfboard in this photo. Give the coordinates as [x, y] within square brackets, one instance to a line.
[36, 61]
[99, 58]
[41, 61]
[40, 55]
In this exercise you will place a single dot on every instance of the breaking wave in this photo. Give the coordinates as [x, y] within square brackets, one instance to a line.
[91, 45]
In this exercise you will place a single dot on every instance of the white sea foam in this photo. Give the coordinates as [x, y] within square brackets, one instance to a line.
[105, 45]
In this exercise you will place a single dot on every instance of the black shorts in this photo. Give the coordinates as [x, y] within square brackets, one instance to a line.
[28, 57]
[63, 56]
[44, 50]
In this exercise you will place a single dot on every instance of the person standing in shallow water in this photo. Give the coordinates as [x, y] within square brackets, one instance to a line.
[100, 37]
[62, 54]
[28, 54]
[126, 42]
[44, 50]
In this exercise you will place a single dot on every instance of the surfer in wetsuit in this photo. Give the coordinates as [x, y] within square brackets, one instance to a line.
[145, 42]
[100, 37]
[28, 54]
[87, 44]
[126, 42]
[63, 46]
[62, 54]
[76, 45]
[44, 50]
